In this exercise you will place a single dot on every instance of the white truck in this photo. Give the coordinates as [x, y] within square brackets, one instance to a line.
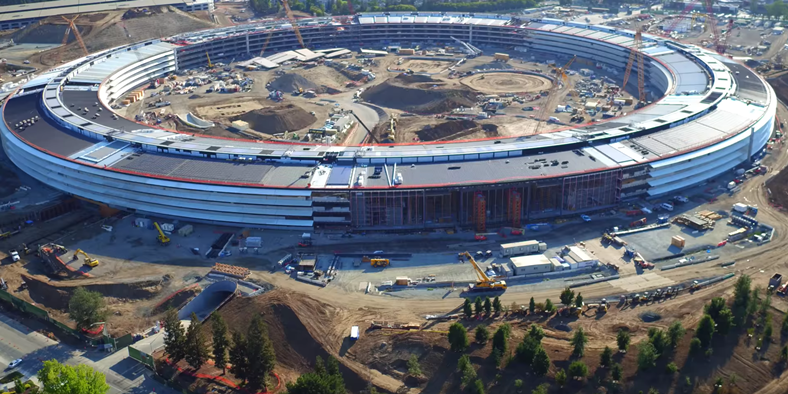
[14, 255]
[739, 207]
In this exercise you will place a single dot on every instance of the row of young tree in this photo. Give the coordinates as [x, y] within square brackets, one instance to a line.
[251, 355]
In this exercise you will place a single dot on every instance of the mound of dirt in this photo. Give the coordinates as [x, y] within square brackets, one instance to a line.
[55, 295]
[297, 326]
[419, 94]
[453, 130]
[291, 82]
[273, 120]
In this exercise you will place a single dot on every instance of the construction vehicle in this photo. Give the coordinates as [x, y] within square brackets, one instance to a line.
[293, 22]
[70, 28]
[379, 263]
[210, 65]
[306, 240]
[603, 305]
[163, 238]
[89, 261]
[695, 285]
[484, 283]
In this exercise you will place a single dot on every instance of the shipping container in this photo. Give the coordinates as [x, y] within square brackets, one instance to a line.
[518, 248]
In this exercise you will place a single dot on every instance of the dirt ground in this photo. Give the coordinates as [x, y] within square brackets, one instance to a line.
[506, 83]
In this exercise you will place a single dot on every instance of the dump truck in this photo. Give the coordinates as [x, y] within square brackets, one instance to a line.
[775, 281]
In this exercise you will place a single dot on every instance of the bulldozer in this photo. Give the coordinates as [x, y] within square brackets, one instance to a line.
[89, 262]
[379, 263]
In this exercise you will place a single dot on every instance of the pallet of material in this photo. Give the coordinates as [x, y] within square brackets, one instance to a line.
[231, 270]
[395, 326]
[710, 215]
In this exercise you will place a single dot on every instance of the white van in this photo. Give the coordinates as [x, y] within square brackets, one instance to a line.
[667, 206]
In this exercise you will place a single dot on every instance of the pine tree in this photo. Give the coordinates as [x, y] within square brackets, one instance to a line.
[541, 363]
[477, 306]
[237, 355]
[487, 305]
[549, 307]
[259, 353]
[606, 357]
[174, 336]
[616, 373]
[622, 339]
[531, 305]
[579, 341]
[482, 334]
[579, 300]
[220, 342]
[458, 337]
[560, 378]
[497, 306]
[467, 309]
[195, 348]
[567, 296]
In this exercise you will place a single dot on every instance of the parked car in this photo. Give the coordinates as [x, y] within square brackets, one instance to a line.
[14, 255]
[585, 218]
[15, 363]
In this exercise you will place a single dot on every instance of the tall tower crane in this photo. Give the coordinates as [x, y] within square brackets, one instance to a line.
[267, 40]
[71, 27]
[722, 45]
[636, 51]
[293, 22]
[560, 79]
[350, 7]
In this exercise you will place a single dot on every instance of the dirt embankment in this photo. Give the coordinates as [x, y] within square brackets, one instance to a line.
[454, 129]
[55, 295]
[273, 120]
[419, 94]
[301, 329]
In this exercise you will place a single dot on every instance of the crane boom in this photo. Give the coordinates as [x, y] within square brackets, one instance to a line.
[163, 238]
[293, 22]
[484, 282]
[636, 52]
[267, 40]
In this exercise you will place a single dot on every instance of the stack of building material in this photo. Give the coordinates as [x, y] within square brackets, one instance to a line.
[186, 230]
[133, 97]
[677, 241]
[709, 215]
[231, 270]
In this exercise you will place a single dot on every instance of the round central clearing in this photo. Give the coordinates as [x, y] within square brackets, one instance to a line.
[506, 83]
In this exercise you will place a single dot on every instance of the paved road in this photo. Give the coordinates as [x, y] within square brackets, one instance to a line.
[367, 115]
[124, 374]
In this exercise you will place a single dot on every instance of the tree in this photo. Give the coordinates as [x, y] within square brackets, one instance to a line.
[647, 355]
[478, 387]
[695, 346]
[458, 337]
[467, 309]
[541, 389]
[260, 356]
[531, 305]
[477, 306]
[616, 372]
[324, 380]
[741, 295]
[622, 339]
[715, 307]
[499, 343]
[579, 341]
[497, 307]
[220, 341]
[660, 341]
[196, 352]
[57, 378]
[487, 305]
[549, 307]
[174, 336]
[724, 321]
[705, 330]
[526, 350]
[541, 363]
[560, 378]
[414, 368]
[579, 300]
[467, 373]
[536, 332]
[578, 370]
[237, 356]
[482, 334]
[671, 368]
[606, 358]
[784, 328]
[675, 333]
[86, 307]
[567, 296]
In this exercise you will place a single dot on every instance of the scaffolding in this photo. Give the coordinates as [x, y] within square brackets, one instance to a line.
[515, 207]
[480, 212]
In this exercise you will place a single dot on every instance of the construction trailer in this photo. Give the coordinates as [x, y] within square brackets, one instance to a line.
[522, 247]
[530, 265]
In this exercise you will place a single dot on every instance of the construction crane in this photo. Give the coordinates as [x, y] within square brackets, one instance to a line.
[71, 27]
[293, 22]
[484, 283]
[267, 40]
[636, 51]
[676, 20]
[90, 262]
[210, 65]
[722, 45]
[560, 79]
[712, 22]
[350, 7]
[163, 238]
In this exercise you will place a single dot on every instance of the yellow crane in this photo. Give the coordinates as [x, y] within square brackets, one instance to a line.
[163, 238]
[90, 262]
[209, 60]
[293, 22]
[267, 40]
[484, 282]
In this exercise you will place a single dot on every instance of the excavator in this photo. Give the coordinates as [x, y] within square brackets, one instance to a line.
[90, 262]
[484, 283]
[163, 239]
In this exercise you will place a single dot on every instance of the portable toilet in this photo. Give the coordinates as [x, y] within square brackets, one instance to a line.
[354, 333]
